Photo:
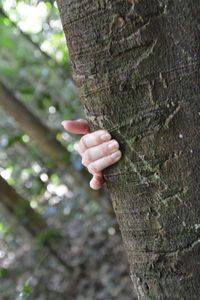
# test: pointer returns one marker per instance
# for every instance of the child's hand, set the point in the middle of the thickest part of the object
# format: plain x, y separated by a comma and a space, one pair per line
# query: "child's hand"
97, 149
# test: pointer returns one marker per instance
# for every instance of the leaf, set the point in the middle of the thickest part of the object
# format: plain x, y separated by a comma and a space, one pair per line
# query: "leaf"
27, 289
3, 273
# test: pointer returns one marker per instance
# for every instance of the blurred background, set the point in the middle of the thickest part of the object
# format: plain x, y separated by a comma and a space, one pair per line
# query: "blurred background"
58, 238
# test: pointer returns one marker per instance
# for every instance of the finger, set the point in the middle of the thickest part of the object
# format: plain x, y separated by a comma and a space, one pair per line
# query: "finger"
93, 139
104, 162
97, 181
96, 152
79, 126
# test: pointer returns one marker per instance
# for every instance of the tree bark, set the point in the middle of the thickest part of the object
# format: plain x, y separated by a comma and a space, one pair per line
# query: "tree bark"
136, 63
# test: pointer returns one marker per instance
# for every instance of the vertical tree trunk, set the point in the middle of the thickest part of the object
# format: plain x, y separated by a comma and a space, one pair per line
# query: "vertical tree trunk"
136, 64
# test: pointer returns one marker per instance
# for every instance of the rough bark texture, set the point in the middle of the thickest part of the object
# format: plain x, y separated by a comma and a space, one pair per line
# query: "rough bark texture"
136, 64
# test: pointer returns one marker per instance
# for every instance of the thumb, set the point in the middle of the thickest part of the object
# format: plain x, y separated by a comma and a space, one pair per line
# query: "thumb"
79, 126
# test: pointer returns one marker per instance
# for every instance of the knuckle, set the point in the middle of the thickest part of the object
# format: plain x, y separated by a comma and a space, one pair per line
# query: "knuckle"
96, 135
98, 132
83, 144
105, 150
110, 160
83, 140
101, 131
92, 168
83, 162
97, 139
77, 147
87, 157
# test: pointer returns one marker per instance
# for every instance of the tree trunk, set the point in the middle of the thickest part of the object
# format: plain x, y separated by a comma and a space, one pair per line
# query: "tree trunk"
136, 64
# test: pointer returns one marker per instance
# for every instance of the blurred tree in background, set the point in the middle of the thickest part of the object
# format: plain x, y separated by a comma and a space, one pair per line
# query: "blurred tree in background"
58, 238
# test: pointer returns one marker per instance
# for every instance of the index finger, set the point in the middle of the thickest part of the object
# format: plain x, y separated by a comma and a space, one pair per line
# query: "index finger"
79, 126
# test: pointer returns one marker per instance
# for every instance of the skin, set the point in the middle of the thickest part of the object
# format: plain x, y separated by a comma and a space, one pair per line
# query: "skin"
97, 149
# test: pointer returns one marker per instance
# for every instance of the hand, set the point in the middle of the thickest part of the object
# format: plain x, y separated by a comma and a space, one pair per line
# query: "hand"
97, 149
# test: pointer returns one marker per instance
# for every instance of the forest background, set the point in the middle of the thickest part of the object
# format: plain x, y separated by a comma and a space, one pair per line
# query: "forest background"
58, 238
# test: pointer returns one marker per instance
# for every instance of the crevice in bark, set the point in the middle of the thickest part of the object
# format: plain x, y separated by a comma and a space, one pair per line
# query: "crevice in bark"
181, 250
171, 75
116, 53
117, 23
141, 164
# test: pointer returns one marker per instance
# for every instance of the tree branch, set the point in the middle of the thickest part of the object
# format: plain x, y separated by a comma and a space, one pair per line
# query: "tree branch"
28, 217
64, 72
32, 125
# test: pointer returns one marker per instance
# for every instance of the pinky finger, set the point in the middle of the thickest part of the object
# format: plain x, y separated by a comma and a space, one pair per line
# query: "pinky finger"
97, 181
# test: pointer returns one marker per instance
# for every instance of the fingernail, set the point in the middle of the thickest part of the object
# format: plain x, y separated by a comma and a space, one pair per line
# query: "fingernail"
113, 145
105, 137
116, 155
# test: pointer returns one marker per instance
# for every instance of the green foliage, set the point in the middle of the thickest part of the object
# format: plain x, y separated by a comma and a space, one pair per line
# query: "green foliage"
4, 229
40, 84
26, 293
48, 236
4, 273
27, 290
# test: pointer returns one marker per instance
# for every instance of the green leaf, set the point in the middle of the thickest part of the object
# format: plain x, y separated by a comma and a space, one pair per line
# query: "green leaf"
4, 229
27, 289
3, 273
